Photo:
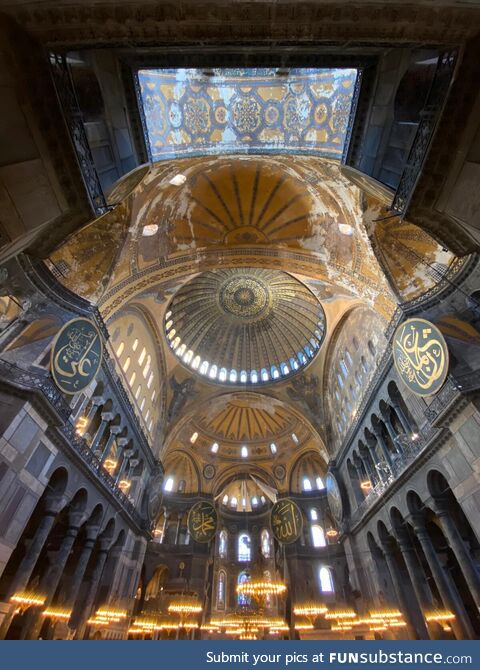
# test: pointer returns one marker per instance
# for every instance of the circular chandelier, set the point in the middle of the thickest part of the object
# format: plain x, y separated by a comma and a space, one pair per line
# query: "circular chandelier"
260, 589
185, 605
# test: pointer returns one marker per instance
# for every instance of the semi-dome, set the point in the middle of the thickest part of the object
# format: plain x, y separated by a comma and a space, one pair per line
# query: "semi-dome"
245, 325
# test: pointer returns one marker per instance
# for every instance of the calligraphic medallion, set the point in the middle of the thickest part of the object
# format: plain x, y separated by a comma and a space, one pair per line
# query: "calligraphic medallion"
421, 357
202, 521
286, 521
76, 355
334, 497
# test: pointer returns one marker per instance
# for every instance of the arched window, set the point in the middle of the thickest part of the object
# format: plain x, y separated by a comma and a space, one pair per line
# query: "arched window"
222, 375
196, 362
274, 372
141, 358
318, 536
241, 598
132, 379
306, 484
233, 376
319, 483
204, 368
348, 358
284, 368
213, 372
135, 345
146, 369
254, 377
243, 376
168, 486
364, 364
244, 548
326, 580
264, 375
181, 486
313, 514
126, 365
355, 342
343, 368
265, 543
138, 391
340, 380
120, 349
371, 348
222, 544
221, 583
244, 452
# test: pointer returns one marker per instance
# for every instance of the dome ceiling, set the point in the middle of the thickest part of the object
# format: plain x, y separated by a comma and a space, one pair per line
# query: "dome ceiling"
245, 325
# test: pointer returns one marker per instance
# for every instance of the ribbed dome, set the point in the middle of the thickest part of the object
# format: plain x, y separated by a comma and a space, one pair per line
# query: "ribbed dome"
244, 325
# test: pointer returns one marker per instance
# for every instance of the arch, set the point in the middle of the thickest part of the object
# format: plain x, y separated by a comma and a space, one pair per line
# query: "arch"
223, 543
318, 536
242, 599
244, 548
325, 577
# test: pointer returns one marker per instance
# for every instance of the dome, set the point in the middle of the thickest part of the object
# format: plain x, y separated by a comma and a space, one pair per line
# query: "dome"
245, 325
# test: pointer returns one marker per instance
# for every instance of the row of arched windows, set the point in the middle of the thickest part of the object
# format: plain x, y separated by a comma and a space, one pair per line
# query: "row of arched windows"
244, 545
325, 582
140, 380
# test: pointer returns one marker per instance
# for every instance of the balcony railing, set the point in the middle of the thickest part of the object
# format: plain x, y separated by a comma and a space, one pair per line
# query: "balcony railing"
37, 381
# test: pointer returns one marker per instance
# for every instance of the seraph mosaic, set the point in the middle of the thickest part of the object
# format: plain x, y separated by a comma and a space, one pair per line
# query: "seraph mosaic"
190, 112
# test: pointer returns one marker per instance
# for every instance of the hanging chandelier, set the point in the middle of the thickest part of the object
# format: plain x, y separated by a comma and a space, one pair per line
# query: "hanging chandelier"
57, 613
260, 589
185, 605
310, 609
28, 599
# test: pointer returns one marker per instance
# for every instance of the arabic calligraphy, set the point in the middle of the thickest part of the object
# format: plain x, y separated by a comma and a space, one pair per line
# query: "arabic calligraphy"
286, 520
76, 355
202, 521
421, 356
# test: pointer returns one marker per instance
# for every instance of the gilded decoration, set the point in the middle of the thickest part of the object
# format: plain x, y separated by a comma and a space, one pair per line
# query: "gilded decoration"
421, 356
189, 111
76, 355
286, 521
202, 521
245, 325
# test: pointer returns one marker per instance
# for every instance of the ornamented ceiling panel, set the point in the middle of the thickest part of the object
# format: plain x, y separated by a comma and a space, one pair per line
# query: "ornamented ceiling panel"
190, 112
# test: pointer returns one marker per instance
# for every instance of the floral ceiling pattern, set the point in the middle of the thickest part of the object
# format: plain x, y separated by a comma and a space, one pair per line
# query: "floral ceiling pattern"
191, 112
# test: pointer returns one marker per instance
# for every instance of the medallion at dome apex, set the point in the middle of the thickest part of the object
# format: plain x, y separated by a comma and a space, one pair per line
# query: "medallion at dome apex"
245, 325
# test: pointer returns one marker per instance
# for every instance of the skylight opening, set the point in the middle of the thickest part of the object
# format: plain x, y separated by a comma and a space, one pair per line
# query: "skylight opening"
244, 452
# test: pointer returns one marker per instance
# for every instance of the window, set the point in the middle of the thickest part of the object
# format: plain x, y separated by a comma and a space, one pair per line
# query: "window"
150, 380
318, 536
253, 377
294, 438
141, 358
168, 486
214, 448
225, 499
221, 590
193, 438
343, 368
233, 376
126, 365
319, 483
355, 342
222, 375
142, 404
188, 356
222, 544
244, 548
132, 379
120, 349
273, 448
371, 348
364, 364
254, 501
264, 375
244, 452
340, 380
146, 369
138, 391
349, 358
243, 376
265, 543
213, 372
313, 514
181, 486
147, 415
274, 372
181, 349
196, 362
326, 580
233, 502
135, 345
242, 599
284, 368
204, 368
306, 484
154, 394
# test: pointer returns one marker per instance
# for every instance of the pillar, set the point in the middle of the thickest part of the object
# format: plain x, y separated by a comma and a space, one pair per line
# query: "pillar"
114, 430
416, 574
92, 589
26, 567
416, 625
457, 544
378, 434
99, 434
49, 584
78, 575
401, 416
448, 593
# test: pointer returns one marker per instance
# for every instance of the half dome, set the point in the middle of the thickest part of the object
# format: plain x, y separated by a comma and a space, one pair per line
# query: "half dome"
245, 325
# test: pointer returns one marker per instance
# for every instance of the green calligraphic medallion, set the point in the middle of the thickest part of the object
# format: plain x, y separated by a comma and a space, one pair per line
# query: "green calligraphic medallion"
202, 521
286, 521
421, 357
76, 355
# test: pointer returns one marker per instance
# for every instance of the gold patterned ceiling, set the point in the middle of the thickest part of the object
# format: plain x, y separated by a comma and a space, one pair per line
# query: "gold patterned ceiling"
245, 325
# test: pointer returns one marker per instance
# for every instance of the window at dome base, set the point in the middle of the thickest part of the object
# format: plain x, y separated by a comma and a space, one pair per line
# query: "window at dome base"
226, 318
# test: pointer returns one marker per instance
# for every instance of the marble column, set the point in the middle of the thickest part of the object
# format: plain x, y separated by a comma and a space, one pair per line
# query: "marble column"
416, 574
415, 622
451, 600
378, 433
27, 565
127, 454
49, 583
401, 416
459, 548
90, 416
114, 431
106, 418
89, 602
391, 431
81, 566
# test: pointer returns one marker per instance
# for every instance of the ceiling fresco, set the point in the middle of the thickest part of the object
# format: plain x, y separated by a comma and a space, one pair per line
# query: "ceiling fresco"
253, 110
